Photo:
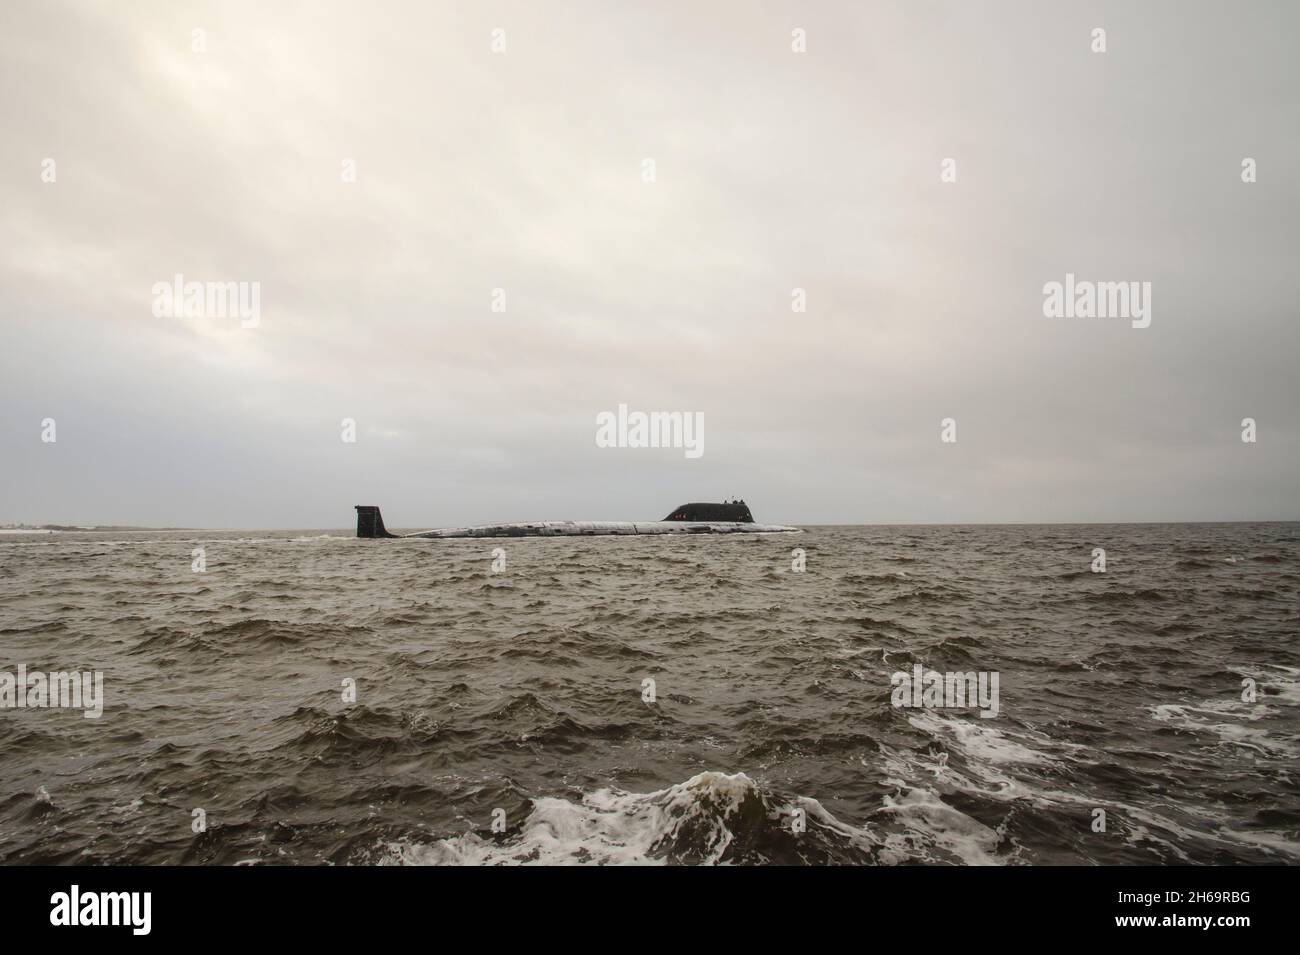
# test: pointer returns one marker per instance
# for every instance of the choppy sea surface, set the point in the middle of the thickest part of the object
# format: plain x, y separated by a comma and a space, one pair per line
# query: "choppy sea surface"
519, 698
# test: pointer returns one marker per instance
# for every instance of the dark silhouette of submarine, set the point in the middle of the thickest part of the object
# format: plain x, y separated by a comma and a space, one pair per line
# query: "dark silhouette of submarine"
731, 517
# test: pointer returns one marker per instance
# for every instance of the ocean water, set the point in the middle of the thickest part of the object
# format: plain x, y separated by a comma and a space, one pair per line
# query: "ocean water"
518, 697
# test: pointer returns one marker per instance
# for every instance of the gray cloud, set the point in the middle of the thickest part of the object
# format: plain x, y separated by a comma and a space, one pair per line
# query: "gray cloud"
522, 171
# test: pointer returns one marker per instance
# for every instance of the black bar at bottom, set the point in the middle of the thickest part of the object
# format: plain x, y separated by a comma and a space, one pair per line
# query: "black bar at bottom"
332, 905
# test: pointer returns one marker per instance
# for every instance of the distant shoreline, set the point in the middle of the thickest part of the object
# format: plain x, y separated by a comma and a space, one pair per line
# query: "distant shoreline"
83, 528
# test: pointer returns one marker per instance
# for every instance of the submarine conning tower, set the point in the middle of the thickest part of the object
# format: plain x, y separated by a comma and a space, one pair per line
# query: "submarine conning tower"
737, 511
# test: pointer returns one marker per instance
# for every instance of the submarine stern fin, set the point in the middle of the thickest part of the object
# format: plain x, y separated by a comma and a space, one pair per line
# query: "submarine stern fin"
370, 523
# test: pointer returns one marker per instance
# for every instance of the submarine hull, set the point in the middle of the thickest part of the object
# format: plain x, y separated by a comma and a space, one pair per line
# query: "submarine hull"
730, 518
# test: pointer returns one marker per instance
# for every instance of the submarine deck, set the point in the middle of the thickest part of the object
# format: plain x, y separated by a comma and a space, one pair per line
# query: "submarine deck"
604, 528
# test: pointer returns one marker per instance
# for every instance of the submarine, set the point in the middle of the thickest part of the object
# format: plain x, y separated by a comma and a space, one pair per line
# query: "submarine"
731, 517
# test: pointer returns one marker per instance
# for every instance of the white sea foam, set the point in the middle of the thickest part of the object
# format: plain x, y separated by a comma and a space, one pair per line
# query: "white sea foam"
980, 741
1278, 683
697, 821
1212, 719
1269, 842
606, 827
928, 823
989, 759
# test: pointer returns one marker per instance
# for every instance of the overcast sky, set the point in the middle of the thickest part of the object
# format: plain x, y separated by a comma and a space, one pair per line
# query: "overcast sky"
523, 170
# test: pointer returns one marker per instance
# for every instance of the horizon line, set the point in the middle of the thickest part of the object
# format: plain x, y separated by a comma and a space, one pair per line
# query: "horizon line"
71, 528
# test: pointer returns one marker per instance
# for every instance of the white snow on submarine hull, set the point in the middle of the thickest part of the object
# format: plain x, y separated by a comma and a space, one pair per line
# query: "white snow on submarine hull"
605, 528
